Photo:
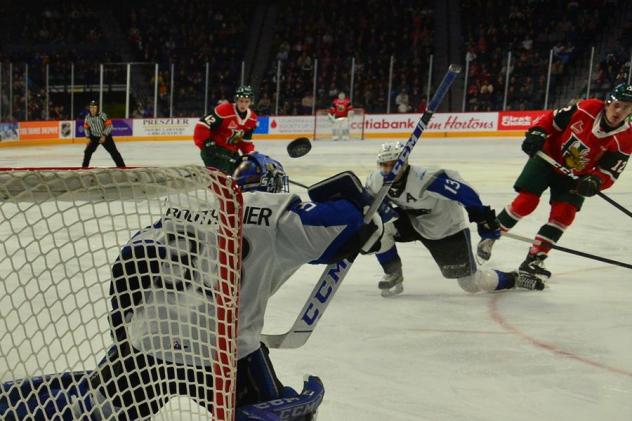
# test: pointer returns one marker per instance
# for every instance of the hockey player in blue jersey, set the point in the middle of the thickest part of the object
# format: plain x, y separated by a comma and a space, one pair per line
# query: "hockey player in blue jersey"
430, 205
152, 277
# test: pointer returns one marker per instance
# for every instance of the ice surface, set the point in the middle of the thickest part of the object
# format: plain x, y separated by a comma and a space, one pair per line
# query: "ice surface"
434, 352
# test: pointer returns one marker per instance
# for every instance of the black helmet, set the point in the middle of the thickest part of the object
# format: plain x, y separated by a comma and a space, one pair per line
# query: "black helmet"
622, 92
93, 103
244, 91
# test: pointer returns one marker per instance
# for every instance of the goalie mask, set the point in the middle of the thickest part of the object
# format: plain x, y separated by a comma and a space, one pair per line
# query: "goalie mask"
259, 172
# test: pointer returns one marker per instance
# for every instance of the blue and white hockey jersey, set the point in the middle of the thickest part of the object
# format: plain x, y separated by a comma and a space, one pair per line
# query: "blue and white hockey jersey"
435, 199
281, 233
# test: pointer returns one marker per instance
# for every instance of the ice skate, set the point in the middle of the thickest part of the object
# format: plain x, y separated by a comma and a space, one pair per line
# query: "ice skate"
391, 284
534, 265
528, 281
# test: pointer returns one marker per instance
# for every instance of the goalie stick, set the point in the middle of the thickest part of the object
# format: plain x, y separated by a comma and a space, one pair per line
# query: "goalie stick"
569, 173
334, 273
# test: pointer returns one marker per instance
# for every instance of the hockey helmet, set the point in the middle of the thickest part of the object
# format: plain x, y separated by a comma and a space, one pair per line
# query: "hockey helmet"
93, 103
622, 92
259, 172
389, 152
244, 91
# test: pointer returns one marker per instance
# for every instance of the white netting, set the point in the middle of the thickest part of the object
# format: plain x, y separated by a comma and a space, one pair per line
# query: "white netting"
324, 126
66, 260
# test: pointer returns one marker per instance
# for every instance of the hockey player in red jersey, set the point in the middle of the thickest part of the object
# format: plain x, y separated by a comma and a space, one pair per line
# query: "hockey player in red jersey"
339, 114
593, 139
227, 131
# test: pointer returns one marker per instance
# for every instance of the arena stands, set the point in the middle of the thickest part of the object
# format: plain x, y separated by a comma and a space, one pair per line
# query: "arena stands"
307, 34
529, 29
369, 31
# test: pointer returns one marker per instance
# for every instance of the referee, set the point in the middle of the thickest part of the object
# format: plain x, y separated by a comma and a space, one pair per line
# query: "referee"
98, 129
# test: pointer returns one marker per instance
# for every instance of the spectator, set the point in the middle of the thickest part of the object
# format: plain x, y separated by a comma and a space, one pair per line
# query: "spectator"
402, 101
264, 106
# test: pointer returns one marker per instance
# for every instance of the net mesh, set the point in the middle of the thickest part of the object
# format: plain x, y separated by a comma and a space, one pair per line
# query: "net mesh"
122, 282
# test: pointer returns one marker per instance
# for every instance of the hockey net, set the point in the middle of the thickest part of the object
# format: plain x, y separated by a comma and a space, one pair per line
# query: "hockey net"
324, 126
61, 231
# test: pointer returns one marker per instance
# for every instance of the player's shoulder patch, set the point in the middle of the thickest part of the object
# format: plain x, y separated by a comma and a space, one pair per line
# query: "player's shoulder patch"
225, 110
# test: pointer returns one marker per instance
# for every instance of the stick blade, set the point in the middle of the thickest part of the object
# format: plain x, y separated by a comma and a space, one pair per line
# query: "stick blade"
299, 147
290, 340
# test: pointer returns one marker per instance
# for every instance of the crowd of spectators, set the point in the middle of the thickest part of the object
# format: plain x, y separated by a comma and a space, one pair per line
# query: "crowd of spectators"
53, 35
529, 29
215, 35
614, 67
366, 31
359, 36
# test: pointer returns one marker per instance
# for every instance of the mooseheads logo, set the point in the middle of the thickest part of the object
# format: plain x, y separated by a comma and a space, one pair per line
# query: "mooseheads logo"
575, 154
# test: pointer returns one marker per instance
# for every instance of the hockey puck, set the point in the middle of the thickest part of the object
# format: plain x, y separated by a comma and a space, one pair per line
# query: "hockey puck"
299, 147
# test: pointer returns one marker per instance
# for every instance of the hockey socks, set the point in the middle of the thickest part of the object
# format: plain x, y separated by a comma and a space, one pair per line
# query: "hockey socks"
561, 216
522, 205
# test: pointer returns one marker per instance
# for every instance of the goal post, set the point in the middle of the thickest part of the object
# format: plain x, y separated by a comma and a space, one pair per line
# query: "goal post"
324, 126
63, 230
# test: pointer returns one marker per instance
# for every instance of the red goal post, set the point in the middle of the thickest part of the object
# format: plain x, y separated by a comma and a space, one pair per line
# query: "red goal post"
323, 125
63, 229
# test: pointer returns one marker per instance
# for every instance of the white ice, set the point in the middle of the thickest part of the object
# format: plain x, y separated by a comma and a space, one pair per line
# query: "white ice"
434, 352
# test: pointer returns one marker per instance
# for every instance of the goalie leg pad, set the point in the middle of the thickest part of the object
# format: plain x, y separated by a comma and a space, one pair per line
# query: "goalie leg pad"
294, 408
47, 397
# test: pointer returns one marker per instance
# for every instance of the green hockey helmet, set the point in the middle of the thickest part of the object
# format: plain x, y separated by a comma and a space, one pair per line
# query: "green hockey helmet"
622, 92
244, 91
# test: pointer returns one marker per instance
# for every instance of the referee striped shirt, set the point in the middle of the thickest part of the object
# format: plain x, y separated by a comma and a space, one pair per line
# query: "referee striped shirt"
97, 125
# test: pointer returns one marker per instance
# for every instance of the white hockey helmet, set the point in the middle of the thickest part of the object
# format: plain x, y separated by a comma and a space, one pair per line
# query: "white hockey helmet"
389, 152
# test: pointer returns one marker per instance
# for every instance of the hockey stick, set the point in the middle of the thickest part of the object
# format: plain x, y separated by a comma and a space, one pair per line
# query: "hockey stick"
296, 183
569, 173
567, 250
334, 273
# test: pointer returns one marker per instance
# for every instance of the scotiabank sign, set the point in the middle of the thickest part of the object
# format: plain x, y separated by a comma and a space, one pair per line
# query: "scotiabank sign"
442, 122
517, 120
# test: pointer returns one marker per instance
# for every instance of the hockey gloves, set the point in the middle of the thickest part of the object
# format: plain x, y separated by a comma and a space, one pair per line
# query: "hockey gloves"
534, 141
486, 221
588, 185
